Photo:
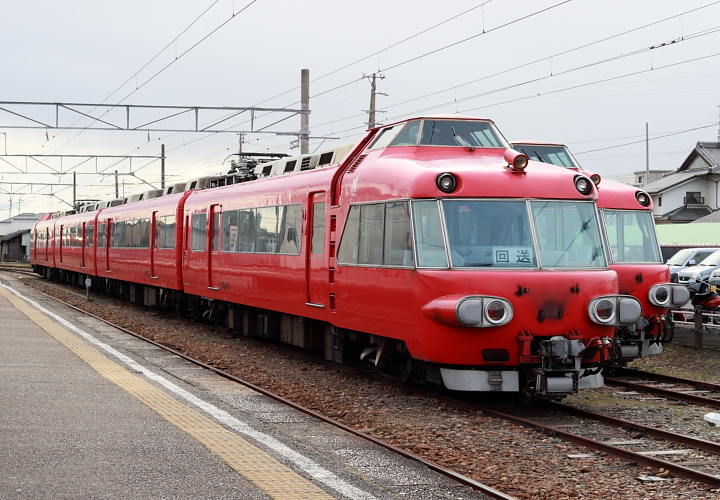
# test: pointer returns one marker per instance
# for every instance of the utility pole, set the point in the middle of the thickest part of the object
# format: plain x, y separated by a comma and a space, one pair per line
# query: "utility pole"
647, 154
162, 166
373, 93
304, 106
74, 190
117, 192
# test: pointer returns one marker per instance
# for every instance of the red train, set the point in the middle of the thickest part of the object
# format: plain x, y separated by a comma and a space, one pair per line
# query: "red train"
432, 251
634, 255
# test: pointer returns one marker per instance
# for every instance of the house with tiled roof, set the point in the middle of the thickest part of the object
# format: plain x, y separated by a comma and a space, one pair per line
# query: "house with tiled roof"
15, 237
691, 192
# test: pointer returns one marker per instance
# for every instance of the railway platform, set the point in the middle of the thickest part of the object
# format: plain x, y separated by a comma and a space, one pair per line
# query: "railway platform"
87, 411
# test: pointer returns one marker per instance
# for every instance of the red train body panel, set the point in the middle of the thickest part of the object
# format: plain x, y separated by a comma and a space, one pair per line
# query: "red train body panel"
431, 251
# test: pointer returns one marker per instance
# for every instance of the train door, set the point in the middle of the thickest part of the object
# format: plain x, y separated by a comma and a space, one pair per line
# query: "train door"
48, 241
83, 239
62, 243
108, 238
213, 279
317, 278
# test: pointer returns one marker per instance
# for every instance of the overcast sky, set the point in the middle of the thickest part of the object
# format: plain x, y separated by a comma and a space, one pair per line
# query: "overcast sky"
587, 73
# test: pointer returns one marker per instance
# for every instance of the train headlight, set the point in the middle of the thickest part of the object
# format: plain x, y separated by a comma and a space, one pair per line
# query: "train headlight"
668, 295
495, 311
480, 311
659, 295
446, 182
583, 184
517, 162
474, 311
615, 310
595, 178
604, 311
643, 198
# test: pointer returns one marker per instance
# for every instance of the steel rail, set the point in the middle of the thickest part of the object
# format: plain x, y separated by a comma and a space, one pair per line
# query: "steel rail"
627, 455
666, 392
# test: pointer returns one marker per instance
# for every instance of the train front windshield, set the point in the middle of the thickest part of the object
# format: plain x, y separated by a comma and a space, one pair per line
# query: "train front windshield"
508, 234
631, 236
556, 155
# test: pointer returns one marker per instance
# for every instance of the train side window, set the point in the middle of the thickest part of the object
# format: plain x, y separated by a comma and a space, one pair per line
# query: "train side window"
318, 229
246, 230
229, 231
430, 244
348, 251
199, 223
101, 236
166, 226
398, 235
89, 233
290, 227
372, 221
267, 224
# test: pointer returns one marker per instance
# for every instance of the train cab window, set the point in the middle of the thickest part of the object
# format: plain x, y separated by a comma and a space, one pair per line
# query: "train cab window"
101, 236
631, 236
378, 234
489, 233
568, 234
199, 223
398, 235
348, 251
556, 155
384, 137
409, 134
370, 250
429, 241
475, 133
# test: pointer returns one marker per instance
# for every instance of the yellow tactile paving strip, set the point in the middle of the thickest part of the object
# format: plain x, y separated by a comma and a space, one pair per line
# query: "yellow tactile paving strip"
269, 475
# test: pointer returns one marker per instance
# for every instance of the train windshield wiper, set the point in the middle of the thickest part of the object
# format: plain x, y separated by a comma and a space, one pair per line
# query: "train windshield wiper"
461, 140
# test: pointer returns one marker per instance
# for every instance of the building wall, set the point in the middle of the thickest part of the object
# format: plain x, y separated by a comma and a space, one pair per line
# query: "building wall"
675, 197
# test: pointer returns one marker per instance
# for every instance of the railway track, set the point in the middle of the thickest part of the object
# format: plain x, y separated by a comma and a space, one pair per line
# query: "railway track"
629, 441
673, 388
